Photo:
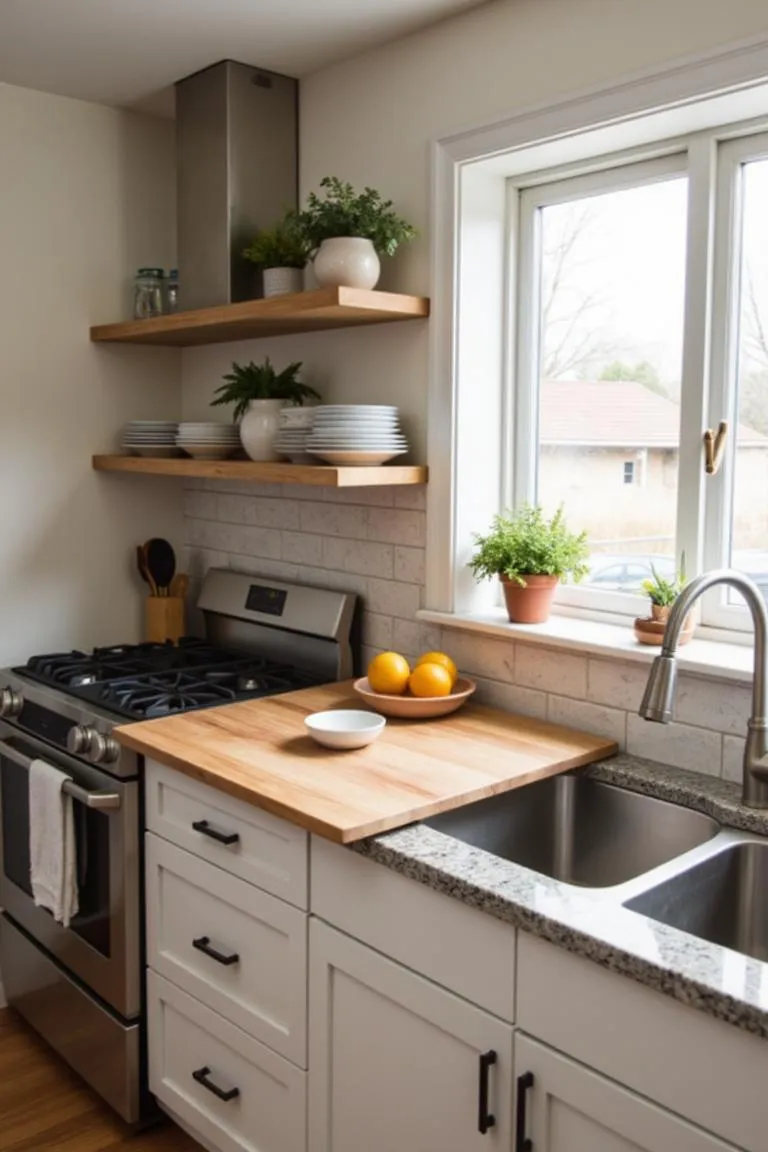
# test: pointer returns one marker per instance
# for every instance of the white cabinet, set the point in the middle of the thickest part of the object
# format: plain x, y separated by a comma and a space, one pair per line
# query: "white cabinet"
564, 1107
397, 1063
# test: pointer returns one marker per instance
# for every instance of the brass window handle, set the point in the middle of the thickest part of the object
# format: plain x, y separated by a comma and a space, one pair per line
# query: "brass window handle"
714, 447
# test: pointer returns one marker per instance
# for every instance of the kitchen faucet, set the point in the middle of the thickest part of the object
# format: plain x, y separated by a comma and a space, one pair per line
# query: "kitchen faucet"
660, 689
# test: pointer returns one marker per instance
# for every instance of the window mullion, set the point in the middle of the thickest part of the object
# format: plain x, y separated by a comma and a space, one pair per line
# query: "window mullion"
694, 392
526, 406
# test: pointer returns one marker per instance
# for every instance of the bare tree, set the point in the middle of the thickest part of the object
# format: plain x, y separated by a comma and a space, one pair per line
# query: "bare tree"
754, 323
572, 342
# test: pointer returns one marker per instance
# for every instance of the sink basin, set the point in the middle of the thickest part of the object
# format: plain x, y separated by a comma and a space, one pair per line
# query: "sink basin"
578, 830
724, 900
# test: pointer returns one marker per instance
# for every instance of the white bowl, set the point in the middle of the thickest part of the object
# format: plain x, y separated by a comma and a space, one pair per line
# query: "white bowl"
345, 728
343, 458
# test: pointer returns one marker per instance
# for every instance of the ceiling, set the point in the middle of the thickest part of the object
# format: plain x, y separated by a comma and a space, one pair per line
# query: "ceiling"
128, 52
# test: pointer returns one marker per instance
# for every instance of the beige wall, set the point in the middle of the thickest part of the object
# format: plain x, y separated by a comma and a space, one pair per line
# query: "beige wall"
86, 195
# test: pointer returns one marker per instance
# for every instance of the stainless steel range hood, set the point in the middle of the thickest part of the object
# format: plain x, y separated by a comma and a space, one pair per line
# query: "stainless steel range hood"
237, 171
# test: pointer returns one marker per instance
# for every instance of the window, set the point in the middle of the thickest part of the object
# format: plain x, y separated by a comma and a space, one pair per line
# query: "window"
599, 266
602, 330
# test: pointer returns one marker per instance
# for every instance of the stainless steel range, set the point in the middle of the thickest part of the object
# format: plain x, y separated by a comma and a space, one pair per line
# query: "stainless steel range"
82, 987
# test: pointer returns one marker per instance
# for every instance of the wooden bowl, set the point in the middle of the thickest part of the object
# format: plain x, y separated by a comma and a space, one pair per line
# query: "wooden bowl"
416, 707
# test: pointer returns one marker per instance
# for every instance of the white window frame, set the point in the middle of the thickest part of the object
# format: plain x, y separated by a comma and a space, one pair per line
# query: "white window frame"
732, 155
526, 200
471, 292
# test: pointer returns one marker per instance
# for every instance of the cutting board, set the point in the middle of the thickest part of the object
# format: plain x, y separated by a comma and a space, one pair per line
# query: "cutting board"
258, 751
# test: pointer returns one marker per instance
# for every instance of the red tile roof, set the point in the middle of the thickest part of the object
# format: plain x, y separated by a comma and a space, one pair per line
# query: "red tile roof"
620, 414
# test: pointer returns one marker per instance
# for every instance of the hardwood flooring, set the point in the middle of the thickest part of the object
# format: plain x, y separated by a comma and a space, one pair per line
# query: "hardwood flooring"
44, 1106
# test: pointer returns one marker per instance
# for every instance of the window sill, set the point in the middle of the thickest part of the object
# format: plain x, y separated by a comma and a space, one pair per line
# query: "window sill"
713, 659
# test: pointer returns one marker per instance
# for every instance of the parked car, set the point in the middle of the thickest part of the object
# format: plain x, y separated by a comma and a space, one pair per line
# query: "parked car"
616, 573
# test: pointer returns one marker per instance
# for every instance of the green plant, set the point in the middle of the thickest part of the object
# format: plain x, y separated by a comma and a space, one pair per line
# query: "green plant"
283, 246
344, 212
262, 382
663, 592
525, 543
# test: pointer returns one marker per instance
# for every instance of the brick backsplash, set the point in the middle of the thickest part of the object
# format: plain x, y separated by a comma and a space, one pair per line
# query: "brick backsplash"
372, 541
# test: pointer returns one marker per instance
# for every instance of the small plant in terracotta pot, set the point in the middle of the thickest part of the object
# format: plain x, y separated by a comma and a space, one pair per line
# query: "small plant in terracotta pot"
662, 593
530, 554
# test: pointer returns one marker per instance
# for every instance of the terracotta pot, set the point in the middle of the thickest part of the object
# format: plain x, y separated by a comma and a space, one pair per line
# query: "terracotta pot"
651, 629
531, 604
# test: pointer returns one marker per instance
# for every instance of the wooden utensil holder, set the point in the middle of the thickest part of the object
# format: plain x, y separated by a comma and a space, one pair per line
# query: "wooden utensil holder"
165, 618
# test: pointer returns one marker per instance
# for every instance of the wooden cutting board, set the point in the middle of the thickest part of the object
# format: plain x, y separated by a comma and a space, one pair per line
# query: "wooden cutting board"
258, 751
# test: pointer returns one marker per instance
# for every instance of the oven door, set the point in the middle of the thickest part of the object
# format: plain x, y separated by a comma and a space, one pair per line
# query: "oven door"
101, 947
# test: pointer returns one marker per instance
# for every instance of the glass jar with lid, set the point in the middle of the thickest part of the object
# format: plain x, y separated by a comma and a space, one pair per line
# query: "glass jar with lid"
148, 293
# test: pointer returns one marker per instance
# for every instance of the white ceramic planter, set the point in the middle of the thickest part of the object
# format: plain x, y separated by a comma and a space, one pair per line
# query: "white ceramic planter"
258, 427
347, 262
281, 281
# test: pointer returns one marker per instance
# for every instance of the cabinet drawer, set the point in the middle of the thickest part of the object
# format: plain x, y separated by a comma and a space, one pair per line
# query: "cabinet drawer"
192, 1051
263, 991
262, 849
457, 946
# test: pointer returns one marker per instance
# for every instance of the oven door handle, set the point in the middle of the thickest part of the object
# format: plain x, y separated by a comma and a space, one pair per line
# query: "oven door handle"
100, 800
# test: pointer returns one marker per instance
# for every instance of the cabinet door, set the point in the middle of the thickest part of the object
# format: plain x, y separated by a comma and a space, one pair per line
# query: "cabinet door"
566, 1107
398, 1063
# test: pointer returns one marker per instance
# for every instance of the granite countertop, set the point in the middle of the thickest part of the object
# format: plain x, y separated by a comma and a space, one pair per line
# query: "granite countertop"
723, 983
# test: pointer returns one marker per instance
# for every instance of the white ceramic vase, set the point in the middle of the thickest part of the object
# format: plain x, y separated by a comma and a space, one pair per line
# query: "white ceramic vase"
281, 281
258, 427
347, 262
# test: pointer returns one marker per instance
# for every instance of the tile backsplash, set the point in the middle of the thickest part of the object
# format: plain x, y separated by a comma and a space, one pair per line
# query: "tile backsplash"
372, 541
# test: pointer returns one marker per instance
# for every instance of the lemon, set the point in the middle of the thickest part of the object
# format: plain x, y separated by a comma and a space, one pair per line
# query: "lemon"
388, 673
430, 680
440, 658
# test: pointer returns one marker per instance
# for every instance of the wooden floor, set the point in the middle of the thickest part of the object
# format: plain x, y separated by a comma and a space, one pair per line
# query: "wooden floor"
45, 1107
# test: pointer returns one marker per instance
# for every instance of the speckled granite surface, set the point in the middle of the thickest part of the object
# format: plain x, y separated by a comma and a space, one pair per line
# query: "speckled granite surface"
720, 982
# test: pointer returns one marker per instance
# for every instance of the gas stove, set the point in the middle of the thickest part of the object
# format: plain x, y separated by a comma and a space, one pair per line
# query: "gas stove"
143, 681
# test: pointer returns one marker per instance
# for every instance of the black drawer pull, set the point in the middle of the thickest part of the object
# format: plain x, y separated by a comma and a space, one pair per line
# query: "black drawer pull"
485, 1119
222, 837
522, 1142
226, 1094
203, 944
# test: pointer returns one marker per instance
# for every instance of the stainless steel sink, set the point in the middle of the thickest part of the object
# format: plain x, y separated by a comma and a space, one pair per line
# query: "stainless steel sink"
578, 830
723, 899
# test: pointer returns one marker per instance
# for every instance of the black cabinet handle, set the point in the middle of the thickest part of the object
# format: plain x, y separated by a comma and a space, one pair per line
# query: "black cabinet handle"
202, 1075
485, 1119
203, 944
522, 1142
222, 837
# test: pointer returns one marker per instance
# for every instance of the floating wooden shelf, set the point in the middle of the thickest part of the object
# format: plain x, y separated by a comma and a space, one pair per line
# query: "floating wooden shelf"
277, 316
318, 476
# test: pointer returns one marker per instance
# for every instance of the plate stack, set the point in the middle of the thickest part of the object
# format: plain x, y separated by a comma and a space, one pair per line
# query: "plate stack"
209, 440
292, 435
151, 438
356, 434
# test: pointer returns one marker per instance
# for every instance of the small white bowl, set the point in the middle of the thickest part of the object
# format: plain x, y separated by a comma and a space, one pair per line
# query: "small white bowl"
345, 728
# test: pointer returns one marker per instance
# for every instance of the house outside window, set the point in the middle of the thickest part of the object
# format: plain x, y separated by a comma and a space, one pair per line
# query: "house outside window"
629, 471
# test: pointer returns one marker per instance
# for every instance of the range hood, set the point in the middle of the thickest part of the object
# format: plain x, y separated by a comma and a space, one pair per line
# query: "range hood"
237, 171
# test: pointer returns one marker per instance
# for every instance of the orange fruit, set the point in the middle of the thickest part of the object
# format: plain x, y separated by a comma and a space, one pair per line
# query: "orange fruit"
388, 673
440, 658
430, 680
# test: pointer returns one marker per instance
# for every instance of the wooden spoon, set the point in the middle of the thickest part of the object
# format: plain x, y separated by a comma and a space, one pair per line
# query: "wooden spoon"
180, 585
141, 564
161, 563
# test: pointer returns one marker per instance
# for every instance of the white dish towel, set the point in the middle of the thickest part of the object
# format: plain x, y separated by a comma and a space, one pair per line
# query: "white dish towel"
52, 845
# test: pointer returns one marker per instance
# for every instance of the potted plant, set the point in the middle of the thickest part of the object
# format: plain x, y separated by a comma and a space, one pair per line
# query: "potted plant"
347, 232
530, 554
258, 393
663, 592
282, 252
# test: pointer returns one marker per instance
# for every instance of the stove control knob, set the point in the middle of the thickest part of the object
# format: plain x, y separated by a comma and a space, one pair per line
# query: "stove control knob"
79, 740
103, 749
11, 703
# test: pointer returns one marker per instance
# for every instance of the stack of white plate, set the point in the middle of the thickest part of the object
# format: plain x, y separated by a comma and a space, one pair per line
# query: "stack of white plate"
209, 440
363, 434
151, 438
293, 433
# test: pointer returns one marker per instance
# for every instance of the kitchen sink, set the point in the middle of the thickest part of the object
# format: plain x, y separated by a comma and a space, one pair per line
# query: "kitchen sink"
723, 899
580, 831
